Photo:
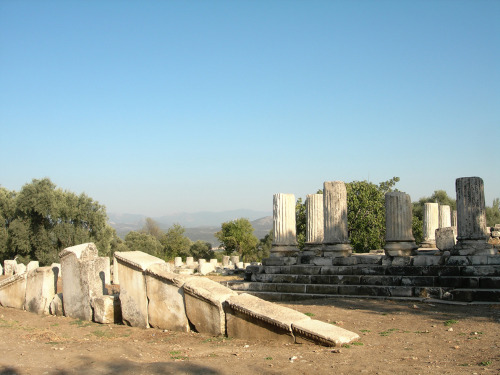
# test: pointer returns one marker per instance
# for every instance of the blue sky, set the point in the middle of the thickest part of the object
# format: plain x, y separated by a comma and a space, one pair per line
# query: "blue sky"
157, 107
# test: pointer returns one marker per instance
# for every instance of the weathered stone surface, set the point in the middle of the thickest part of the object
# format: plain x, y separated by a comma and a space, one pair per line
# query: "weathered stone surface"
336, 239
32, 265
284, 229
107, 309
430, 224
9, 266
41, 285
102, 268
322, 333
205, 268
445, 238
19, 268
315, 224
116, 277
399, 240
80, 280
225, 260
166, 309
204, 299
426, 260
133, 295
178, 262
250, 317
13, 291
444, 216
56, 305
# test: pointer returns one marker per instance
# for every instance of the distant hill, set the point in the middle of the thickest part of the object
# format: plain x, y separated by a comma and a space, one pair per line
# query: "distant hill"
199, 225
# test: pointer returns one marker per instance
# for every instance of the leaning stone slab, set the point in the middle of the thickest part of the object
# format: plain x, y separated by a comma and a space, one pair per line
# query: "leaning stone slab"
9, 266
204, 305
13, 291
133, 296
166, 309
41, 284
250, 317
80, 281
56, 306
321, 333
107, 309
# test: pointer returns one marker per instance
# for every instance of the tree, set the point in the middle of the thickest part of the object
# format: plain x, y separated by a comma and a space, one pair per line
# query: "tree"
202, 250
137, 241
237, 237
175, 243
41, 220
300, 223
151, 227
264, 246
493, 213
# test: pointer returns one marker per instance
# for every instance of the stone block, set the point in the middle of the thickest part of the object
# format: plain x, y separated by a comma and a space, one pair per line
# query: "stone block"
479, 260
107, 309
368, 270
133, 296
102, 268
458, 261
321, 261
240, 265
489, 282
291, 288
401, 291
446, 238
368, 258
214, 262
41, 285
322, 333
19, 269
494, 259
166, 309
225, 260
481, 271
116, 277
304, 270
9, 267
345, 261
426, 260
425, 292
56, 305
381, 280
322, 289
418, 280
320, 279
401, 261
336, 270
204, 309
13, 291
80, 281
205, 268
189, 261
178, 262
235, 259
32, 265
250, 317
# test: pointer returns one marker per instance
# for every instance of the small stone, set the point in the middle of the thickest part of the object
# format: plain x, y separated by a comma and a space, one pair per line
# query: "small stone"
450, 329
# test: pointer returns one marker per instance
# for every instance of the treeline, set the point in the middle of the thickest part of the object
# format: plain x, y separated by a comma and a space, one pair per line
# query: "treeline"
40, 220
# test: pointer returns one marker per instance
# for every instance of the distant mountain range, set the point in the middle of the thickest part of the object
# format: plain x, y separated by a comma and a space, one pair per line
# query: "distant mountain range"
198, 225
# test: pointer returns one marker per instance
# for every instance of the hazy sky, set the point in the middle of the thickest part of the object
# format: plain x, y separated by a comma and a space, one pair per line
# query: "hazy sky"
157, 107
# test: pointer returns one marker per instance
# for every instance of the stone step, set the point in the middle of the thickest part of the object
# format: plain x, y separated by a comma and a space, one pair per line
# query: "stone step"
469, 295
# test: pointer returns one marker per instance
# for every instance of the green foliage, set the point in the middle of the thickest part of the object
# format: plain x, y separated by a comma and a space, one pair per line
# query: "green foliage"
202, 250
439, 196
301, 223
152, 228
264, 246
175, 243
237, 237
41, 220
137, 241
493, 213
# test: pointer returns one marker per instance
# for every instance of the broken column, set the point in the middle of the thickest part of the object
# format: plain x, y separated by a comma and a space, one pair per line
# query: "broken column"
81, 280
336, 238
444, 216
471, 229
399, 240
284, 229
430, 224
41, 285
315, 224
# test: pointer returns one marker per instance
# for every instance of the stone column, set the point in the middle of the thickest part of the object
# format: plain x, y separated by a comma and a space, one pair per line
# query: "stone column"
315, 224
399, 240
284, 228
471, 228
454, 218
444, 216
431, 223
336, 239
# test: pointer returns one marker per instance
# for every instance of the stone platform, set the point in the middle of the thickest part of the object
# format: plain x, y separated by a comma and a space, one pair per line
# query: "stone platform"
429, 276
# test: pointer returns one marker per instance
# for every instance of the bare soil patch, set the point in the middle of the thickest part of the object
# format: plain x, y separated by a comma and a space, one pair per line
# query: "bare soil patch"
397, 337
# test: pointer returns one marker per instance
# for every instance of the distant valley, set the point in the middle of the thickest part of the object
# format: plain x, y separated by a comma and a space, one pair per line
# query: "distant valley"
199, 225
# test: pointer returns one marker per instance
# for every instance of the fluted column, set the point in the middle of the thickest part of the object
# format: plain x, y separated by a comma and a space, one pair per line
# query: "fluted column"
454, 218
336, 238
399, 240
444, 216
471, 218
284, 227
431, 223
315, 224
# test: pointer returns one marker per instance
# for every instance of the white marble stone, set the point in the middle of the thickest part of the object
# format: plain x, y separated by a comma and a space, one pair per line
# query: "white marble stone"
430, 224
315, 224
399, 240
336, 238
284, 228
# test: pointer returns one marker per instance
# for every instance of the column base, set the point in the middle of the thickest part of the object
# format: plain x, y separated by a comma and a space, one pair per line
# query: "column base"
400, 248
336, 250
280, 261
428, 244
279, 251
312, 249
473, 247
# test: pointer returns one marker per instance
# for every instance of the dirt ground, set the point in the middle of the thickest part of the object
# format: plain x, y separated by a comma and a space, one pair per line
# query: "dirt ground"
397, 337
